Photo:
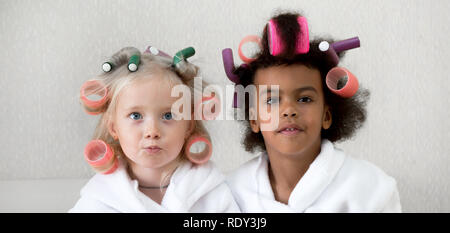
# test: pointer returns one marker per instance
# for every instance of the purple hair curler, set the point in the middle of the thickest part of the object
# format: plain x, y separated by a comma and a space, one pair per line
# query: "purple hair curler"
337, 47
228, 64
348, 44
156, 52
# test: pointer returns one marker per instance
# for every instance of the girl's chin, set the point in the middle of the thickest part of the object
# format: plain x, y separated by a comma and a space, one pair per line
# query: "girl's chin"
290, 148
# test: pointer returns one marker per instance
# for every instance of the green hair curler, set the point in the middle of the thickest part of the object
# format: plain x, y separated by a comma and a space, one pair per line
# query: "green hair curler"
133, 63
183, 55
107, 66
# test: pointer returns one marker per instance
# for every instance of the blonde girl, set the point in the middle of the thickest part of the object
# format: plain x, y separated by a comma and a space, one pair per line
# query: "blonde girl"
141, 148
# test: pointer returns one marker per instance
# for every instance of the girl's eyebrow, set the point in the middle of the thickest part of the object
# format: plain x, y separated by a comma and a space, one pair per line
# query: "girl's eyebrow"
298, 90
133, 107
138, 107
307, 88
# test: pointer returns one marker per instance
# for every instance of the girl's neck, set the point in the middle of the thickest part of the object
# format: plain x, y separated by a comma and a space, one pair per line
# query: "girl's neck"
152, 182
285, 171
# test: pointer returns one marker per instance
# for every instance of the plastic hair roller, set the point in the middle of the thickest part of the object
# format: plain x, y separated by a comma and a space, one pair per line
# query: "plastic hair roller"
183, 55
93, 88
198, 149
208, 108
156, 52
342, 82
249, 38
108, 66
100, 156
134, 61
228, 64
276, 46
337, 47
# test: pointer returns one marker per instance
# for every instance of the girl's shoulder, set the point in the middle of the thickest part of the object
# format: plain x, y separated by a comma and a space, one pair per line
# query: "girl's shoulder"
245, 174
360, 171
366, 185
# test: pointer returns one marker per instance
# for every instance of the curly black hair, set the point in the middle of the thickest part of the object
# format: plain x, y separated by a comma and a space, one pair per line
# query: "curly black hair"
348, 114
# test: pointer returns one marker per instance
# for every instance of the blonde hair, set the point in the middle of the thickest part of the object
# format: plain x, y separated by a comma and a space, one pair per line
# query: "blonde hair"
120, 76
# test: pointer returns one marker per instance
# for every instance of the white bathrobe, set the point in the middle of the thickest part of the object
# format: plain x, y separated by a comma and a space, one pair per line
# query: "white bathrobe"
191, 189
334, 182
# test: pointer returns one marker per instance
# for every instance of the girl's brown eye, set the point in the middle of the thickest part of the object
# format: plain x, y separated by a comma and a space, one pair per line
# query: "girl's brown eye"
304, 100
272, 100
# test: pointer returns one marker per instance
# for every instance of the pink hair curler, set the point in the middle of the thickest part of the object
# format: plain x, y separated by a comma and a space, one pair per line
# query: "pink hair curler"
198, 149
101, 157
249, 38
339, 74
206, 104
276, 44
93, 88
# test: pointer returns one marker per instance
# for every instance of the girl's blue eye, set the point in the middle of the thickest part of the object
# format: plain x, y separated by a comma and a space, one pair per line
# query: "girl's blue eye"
135, 116
167, 116
304, 99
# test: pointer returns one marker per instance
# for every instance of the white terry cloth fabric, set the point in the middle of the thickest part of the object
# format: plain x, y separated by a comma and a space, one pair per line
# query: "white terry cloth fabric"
192, 188
334, 182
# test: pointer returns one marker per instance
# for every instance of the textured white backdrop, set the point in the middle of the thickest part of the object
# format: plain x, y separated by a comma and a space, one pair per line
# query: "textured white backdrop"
49, 48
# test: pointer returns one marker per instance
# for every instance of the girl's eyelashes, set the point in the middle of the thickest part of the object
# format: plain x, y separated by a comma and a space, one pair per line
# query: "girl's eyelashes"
135, 116
272, 100
276, 100
305, 99
168, 116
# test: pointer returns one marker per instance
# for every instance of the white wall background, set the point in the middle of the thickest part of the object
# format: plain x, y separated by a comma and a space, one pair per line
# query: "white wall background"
49, 48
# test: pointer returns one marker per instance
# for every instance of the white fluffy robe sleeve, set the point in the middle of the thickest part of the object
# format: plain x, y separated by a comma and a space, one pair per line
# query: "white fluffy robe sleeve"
334, 182
191, 189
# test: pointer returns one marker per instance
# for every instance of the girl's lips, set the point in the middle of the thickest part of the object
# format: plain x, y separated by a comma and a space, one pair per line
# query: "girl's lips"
290, 131
152, 149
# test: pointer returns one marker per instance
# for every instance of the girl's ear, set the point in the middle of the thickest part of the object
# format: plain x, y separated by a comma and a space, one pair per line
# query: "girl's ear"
327, 118
111, 129
254, 123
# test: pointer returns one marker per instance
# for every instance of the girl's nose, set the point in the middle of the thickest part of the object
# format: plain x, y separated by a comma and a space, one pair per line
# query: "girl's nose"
152, 131
289, 114
289, 111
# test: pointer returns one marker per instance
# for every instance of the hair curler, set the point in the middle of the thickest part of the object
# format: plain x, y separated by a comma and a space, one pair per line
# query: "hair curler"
101, 157
249, 38
183, 55
134, 62
349, 86
337, 47
108, 66
198, 149
228, 65
90, 88
276, 46
156, 52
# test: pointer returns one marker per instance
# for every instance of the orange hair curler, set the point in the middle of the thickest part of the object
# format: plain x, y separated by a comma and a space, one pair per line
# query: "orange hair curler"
93, 87
101, 157
338, 74
194, 154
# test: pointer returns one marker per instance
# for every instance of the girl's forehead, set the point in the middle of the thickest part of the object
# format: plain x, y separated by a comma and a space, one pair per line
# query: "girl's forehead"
288, 77
154, 91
